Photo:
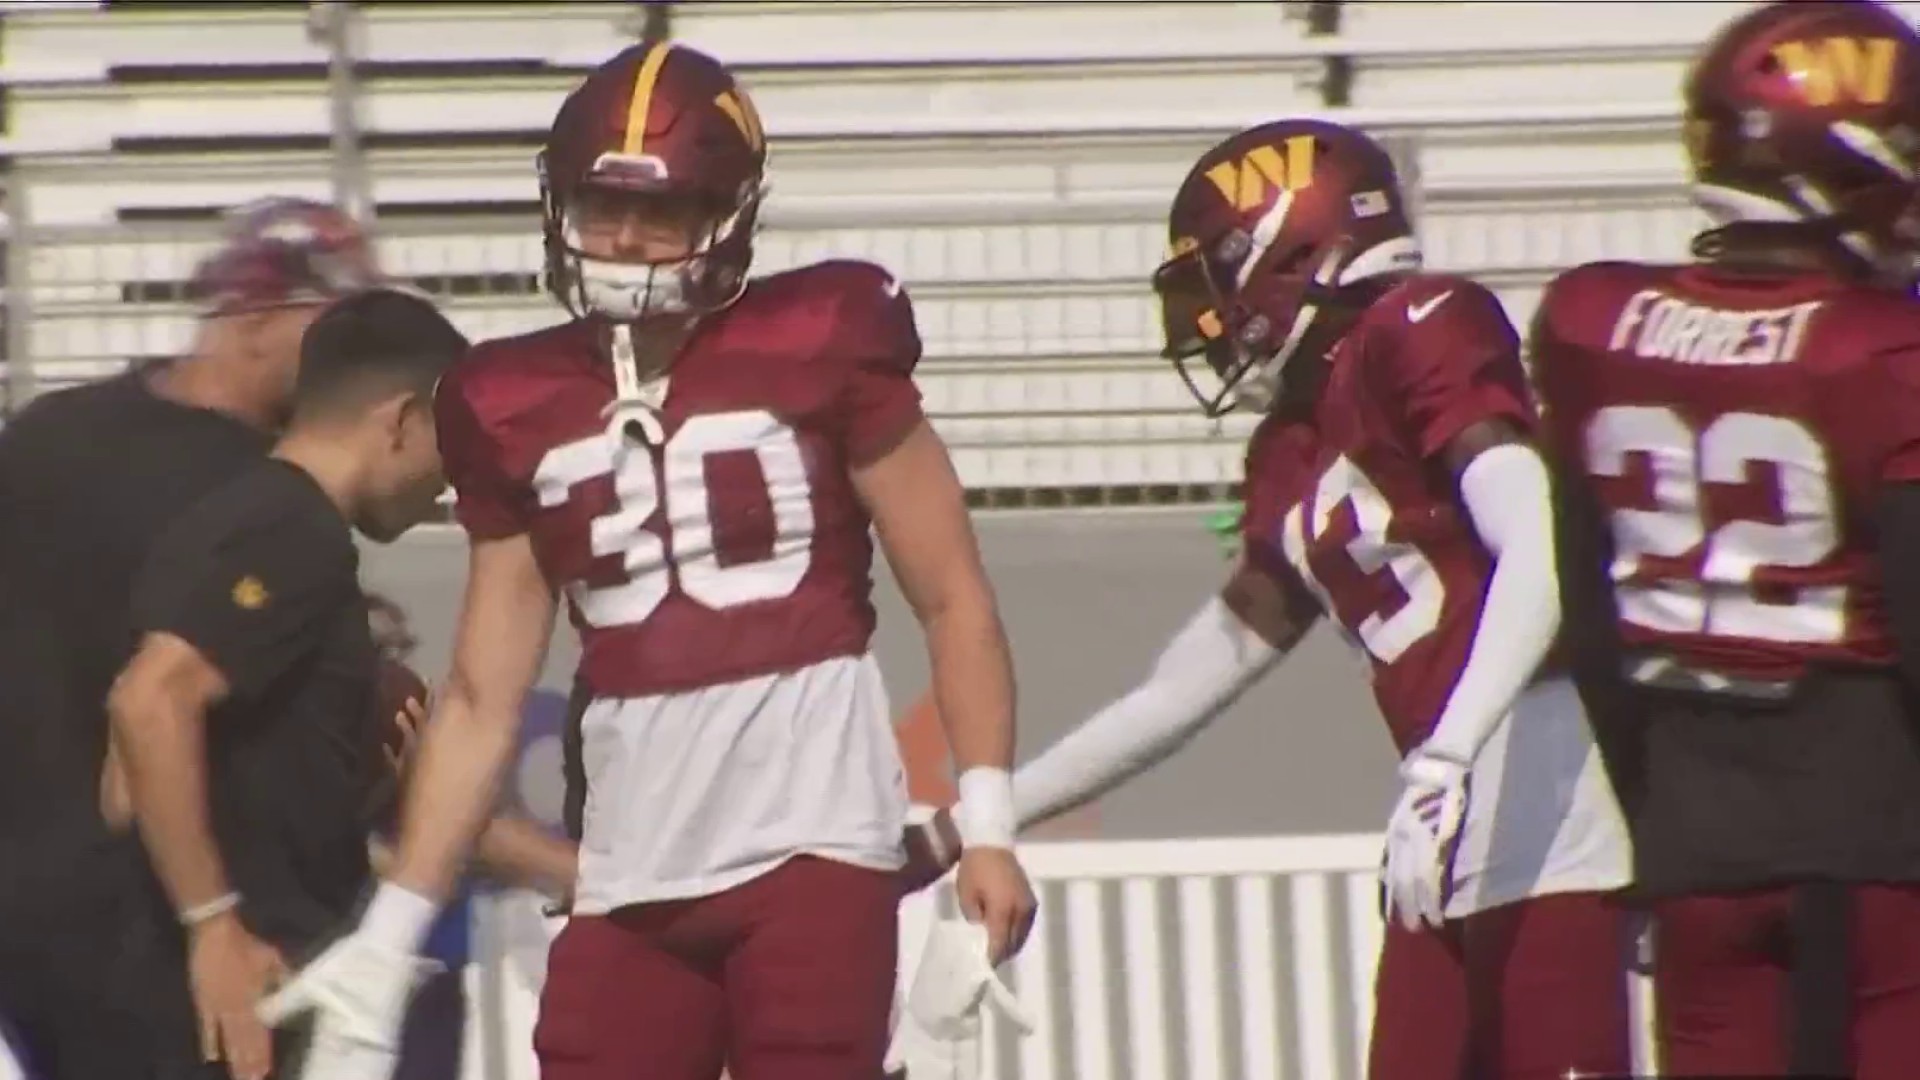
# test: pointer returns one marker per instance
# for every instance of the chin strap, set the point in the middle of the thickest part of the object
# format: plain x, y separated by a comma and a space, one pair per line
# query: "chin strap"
1261, 386
634, 412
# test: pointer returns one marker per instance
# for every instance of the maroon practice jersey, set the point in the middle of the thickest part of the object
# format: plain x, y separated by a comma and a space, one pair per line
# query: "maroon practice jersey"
1356, 503
1734, 431
736, 548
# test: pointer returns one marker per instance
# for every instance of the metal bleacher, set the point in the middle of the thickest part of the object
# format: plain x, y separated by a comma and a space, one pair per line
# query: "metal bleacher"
1010, 161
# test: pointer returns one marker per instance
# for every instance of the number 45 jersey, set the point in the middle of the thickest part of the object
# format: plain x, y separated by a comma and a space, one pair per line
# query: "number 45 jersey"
719, 579
1355, 501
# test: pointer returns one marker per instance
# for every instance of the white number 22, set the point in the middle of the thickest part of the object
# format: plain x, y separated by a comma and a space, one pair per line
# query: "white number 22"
1719, 599
1384, 636
679, 481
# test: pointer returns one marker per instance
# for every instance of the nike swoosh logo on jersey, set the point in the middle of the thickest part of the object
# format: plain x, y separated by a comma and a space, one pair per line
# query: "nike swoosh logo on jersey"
890, 287
1416, 312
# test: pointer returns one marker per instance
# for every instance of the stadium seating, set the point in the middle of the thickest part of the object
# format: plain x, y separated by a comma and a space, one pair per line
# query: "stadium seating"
1009, 161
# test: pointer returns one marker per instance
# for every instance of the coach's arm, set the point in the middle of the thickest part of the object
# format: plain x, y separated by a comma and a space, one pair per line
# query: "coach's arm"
229, 599
158, 709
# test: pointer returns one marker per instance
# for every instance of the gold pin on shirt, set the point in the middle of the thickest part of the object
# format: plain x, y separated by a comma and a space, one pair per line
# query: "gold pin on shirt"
249, 593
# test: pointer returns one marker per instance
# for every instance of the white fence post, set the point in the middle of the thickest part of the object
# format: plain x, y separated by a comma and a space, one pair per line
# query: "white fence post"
1260, 929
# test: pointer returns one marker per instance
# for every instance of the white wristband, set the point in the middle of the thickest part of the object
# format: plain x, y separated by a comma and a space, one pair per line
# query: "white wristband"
397, 918
984, 814
212, 909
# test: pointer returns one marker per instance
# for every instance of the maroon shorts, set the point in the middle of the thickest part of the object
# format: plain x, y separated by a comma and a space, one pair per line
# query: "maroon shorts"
1535, 990
1723, 978
787, 977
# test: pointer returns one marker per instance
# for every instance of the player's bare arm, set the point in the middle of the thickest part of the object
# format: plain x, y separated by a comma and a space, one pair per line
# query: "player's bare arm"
517, 851
919, 511
512, 850
506, 620
1271, 603
1477, 439
1224, 648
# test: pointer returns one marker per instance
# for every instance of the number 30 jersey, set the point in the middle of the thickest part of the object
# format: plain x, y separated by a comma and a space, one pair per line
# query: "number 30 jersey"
1734, 431
736, 547
718, 574
1356, 501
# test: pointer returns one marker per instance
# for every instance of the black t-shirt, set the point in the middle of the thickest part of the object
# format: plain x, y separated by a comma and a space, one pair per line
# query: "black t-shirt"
261, 577
88, 476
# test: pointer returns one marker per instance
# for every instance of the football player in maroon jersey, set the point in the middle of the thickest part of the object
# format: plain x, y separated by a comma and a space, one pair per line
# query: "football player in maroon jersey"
695, 461
1741, 441
1393, 485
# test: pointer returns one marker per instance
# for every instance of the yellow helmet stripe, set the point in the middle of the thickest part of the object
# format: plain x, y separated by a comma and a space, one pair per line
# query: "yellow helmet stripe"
642, 99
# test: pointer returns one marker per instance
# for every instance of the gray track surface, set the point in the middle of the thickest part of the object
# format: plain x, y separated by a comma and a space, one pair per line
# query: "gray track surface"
1088, 599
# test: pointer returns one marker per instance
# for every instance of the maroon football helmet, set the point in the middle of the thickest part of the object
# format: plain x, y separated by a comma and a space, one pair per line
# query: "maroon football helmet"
1271, 229
659, 129
1809, 114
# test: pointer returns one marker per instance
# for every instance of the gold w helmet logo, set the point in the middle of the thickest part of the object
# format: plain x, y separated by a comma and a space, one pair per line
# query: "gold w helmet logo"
1251, 181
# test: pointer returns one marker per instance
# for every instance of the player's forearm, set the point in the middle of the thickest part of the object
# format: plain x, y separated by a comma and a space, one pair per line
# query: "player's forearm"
519, 852
974, 694
1507, 496
452, 791
1207, 666
162, 745
973, 683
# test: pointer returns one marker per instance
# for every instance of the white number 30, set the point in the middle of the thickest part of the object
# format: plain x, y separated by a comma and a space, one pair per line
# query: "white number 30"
683, 552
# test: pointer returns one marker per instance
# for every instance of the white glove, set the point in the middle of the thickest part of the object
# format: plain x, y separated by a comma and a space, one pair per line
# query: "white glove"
937, 1035
1420, 839
358, 990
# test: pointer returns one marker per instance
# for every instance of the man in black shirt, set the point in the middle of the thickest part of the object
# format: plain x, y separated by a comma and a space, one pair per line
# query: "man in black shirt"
246, 719
88, 476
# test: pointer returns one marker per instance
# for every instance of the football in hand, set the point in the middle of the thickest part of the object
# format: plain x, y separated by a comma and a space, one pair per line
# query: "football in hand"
398, 685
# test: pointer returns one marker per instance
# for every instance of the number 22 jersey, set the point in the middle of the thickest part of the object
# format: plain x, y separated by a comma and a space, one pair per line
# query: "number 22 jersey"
1355, 501
719, 580
1734, 432
1725, 438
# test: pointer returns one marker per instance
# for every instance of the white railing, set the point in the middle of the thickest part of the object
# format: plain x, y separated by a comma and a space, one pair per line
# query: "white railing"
1246, 958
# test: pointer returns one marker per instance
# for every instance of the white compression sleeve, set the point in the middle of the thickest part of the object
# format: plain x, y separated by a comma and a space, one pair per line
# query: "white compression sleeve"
1507, 494
1209, 663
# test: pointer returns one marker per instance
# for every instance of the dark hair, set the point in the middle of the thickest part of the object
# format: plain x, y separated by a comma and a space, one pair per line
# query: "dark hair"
370, 346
